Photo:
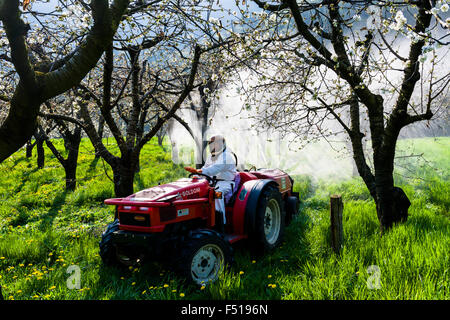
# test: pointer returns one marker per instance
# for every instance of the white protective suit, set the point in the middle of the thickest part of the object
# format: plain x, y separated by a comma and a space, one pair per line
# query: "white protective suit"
224, 168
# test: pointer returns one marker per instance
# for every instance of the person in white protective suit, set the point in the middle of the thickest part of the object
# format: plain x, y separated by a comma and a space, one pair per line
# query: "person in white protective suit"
221, 164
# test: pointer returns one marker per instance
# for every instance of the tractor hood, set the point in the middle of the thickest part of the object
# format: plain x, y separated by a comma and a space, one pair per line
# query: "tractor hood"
185, 188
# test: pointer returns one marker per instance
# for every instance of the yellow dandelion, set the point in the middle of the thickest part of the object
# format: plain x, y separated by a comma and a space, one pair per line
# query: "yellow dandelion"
50, 254
182, 295
253, 261
166, 286
52, 288
241, 272
133, 283
2, 258
21, 265
202, 288
174, 290
269, 276
35, 296
274, 286
19, 291
143, 292
121, 278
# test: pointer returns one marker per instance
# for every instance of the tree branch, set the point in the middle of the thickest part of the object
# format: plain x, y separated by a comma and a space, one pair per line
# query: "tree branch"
62, 117
197, 53
106, 22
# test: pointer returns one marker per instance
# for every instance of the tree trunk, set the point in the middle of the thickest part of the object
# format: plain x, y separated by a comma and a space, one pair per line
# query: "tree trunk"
391, 202
40, 152
71, 163
160, 139
101, 130
71, 177
123, 182
124, 175
29, 149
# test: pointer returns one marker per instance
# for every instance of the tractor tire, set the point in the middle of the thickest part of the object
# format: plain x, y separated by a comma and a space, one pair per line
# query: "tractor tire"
203, 255
114, 256
292, 206
269, 220
107, 248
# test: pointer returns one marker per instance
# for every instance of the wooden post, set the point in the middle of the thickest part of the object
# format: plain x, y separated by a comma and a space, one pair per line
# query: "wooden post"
337, 232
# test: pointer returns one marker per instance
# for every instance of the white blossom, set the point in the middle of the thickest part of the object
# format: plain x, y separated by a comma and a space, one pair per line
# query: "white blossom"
400, 21
214, 21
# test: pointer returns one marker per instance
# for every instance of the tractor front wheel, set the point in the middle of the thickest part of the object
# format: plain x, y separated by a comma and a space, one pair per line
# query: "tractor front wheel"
117, 256
204, 256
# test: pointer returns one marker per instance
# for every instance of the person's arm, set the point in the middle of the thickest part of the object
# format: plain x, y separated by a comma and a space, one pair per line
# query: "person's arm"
214, 169
192, 170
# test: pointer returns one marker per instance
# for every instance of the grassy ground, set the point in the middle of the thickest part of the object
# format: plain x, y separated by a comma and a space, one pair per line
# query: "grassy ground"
44, 231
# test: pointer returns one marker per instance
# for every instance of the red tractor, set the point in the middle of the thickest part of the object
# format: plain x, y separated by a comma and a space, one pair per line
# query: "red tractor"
176, 222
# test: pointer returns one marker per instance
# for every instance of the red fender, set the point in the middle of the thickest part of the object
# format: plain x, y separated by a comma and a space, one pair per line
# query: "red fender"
240, 206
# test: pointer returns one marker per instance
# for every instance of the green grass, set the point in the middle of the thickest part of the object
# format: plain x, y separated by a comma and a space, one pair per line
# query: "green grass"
44, 230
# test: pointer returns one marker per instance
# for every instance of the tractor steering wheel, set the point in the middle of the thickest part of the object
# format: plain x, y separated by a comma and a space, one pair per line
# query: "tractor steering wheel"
210, 180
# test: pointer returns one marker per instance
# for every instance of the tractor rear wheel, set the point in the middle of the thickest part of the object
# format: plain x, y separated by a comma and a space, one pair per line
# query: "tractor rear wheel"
269, 219
113, 255
291, 209
203, 256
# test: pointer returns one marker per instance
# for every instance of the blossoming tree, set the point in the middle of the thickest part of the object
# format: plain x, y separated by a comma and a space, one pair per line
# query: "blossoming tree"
78, 45
356, 63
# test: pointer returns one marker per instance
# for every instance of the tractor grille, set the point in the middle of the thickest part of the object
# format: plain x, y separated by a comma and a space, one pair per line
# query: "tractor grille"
134, 219
167, 213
